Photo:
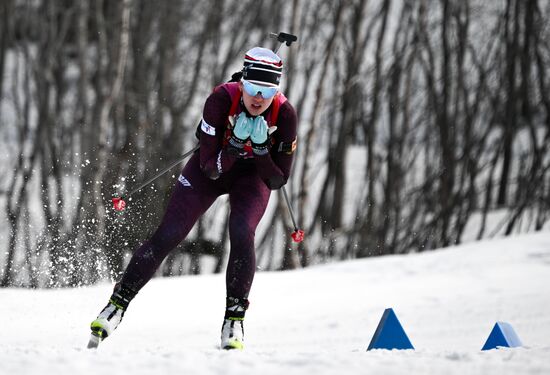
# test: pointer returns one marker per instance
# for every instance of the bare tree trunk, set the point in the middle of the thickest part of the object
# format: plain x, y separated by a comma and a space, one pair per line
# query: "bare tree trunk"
311, 133
16, 196
511, 36
6, 37
113, 93
368, 242
22, 173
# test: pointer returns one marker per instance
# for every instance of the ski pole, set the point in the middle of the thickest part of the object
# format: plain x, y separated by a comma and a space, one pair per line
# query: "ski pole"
298, 234
119, 201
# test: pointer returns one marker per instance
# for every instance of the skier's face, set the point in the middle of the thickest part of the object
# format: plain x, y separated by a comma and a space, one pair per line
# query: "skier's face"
255, 105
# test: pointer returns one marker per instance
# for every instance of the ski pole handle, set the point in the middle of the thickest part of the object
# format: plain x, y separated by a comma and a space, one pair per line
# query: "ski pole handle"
286, 38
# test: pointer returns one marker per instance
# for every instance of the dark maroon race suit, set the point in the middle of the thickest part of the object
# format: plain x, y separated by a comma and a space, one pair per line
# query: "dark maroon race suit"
213, 171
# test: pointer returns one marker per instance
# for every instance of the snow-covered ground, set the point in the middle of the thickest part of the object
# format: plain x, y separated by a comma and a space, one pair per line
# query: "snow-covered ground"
314, 321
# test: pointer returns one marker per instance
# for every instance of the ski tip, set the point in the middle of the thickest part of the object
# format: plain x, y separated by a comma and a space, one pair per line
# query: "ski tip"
94, 342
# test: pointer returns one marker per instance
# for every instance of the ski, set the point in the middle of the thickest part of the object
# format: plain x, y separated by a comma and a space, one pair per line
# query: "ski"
94, 341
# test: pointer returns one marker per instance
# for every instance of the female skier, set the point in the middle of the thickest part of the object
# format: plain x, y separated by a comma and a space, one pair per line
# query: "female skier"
247, 141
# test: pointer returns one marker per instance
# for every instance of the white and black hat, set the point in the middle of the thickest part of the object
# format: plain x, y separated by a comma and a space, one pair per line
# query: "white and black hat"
262, 66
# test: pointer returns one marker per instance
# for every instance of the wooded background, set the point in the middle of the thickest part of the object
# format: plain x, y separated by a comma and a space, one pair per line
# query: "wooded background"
415, 118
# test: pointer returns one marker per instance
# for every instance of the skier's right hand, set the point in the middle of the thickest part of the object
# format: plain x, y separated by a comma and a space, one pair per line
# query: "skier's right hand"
243, 127
239, 134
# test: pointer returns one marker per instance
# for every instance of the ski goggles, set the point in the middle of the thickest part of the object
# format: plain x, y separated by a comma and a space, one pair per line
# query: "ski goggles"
267, 92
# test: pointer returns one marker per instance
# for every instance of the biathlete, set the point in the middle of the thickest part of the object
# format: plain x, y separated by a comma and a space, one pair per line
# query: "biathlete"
247, 141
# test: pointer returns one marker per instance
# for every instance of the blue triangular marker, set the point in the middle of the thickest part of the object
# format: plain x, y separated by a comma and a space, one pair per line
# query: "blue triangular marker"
390, 334
502, 335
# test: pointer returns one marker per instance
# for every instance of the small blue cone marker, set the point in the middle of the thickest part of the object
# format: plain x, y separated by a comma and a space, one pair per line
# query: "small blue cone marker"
390, 334
502, 335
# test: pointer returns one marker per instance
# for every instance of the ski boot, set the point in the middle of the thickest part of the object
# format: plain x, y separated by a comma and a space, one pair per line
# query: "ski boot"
110, 317
233, 329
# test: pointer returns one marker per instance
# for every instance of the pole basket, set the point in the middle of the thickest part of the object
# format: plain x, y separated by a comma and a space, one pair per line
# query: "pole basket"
297, 235
119, 204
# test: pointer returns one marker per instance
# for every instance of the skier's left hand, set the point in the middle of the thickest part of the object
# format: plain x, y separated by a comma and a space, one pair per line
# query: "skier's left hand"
259, 131
259, 136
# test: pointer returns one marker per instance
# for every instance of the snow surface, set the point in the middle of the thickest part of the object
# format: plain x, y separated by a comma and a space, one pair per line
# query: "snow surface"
318, 320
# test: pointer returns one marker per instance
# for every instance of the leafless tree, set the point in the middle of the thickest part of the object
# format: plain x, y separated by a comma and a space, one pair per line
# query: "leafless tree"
445, 102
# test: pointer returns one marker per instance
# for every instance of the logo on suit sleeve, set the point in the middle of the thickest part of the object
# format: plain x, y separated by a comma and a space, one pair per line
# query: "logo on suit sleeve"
208, 129
185, 182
